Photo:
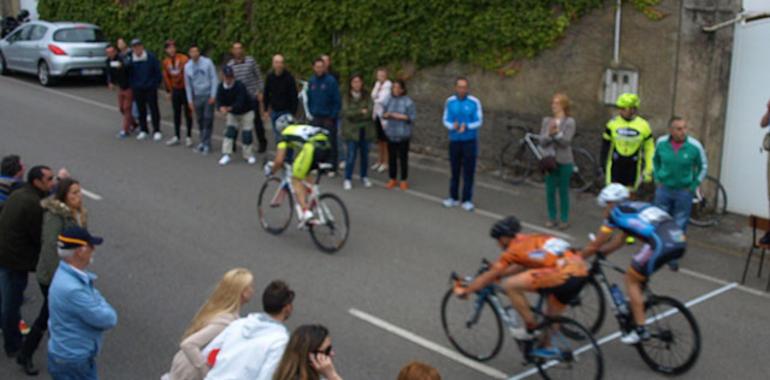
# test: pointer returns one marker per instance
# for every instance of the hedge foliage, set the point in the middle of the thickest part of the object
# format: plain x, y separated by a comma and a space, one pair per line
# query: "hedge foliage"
360, 34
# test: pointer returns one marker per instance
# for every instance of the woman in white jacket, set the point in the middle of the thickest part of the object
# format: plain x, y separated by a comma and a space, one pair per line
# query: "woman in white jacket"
223, 306
380, 96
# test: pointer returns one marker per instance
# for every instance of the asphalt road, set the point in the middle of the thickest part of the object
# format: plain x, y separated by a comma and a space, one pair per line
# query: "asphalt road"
174, 222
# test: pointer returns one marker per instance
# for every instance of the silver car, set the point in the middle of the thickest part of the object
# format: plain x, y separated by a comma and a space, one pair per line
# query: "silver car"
54, 50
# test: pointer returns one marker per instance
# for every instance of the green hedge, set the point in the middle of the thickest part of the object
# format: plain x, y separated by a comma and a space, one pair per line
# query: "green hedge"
360, 34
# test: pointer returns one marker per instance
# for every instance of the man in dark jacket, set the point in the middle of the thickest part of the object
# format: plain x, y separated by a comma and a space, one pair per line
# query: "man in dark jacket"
324, 103
234, 101
20, 225
11, 174
117, 79
280, 93
145, 76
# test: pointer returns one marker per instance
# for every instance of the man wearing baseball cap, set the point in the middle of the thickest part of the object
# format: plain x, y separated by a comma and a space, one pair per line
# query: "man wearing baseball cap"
234, 101
78, 312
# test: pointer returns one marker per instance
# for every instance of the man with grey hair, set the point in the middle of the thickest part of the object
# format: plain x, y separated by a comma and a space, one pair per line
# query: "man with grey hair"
78, 312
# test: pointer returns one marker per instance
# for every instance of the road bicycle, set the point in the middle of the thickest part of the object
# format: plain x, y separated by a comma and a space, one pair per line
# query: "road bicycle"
330, 226
519, 161
475, 327
709, 203
675, 342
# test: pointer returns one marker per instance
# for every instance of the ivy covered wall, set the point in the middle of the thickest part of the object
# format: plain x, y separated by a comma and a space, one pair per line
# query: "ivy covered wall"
360, 34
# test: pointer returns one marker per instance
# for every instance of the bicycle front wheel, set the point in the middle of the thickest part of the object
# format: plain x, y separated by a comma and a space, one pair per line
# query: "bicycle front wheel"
562, 356
674, 345
275, 206
333, 227
585, 171
709, 203
472, 325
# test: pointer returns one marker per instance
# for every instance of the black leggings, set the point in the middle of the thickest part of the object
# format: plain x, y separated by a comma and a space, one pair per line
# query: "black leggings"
179, 104
32, 341
398, 151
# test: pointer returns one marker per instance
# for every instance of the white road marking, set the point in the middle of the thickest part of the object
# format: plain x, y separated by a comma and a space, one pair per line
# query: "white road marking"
91, 195
663, 315
420, 341
715, 280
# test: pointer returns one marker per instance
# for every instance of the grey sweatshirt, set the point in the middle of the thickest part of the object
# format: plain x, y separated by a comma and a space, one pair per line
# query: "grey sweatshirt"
398, 130
200, 79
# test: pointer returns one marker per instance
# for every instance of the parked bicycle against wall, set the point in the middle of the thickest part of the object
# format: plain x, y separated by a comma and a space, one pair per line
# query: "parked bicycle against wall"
519, 159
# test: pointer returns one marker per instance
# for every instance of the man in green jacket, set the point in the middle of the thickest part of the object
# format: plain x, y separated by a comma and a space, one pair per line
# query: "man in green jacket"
680, 165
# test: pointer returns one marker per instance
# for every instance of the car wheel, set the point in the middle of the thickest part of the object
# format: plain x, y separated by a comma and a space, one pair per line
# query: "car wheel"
44, 74
3, 65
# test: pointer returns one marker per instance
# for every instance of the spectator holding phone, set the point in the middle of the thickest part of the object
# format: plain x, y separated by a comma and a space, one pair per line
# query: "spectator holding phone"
308, 356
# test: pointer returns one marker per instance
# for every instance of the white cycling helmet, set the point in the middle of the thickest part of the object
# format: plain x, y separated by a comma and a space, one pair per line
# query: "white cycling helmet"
283, 121
613, 192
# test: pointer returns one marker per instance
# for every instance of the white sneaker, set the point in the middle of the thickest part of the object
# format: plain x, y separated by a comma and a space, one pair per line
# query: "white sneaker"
331, 174
252, 160
157, 136
367, 183
306, 216
634, 337
449, 203
188, 142
224, 160
468, 206
141, 136
342, 165
382, 168
375, 166
521, 333
172, 141
347, 185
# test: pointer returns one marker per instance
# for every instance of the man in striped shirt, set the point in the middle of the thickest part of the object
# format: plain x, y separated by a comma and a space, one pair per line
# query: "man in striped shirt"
247, 72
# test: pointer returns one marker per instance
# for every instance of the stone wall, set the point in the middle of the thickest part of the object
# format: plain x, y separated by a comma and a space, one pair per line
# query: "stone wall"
682, 70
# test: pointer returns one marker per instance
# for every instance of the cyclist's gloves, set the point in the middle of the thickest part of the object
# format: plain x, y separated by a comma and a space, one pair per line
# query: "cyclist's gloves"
268, 169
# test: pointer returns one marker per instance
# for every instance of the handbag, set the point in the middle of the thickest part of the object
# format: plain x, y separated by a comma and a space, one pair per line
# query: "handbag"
766, 142
547, 164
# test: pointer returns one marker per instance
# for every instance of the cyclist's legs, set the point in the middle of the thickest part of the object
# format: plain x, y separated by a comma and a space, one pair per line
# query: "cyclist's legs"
531, 281
643, 265
302, 164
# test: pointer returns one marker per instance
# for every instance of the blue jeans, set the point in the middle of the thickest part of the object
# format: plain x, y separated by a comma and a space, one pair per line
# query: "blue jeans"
274, 115
462, 157
676, 202
84, 369
353, 146
205, 114
12, 285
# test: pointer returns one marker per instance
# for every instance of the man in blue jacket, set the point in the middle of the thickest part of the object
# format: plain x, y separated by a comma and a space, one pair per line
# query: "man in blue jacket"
79, 314
324, 103
463, 117
145, 76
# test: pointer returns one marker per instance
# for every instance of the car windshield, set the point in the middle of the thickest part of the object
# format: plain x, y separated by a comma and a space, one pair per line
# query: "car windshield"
79, 34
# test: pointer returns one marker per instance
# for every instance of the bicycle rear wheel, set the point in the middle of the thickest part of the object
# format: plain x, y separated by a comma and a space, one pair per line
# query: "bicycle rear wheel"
572, 357
585, 171
275, 206
587, 308
709, 204
333, 227
513, 164
675, 343
472, 325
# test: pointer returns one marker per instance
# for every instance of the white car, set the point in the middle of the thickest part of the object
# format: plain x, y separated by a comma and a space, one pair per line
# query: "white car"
52, 50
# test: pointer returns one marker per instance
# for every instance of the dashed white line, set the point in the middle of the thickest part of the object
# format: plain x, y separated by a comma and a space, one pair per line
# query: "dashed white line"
91, 195
420, 341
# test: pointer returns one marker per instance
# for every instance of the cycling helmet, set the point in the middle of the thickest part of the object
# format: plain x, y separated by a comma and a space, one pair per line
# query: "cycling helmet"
627, 100
613, 192
509, 226
283, 121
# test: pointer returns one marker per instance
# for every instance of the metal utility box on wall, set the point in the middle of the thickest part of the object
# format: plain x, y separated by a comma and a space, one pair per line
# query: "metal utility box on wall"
619, 81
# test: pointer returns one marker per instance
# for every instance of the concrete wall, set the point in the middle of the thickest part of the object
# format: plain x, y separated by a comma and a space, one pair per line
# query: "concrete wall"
681, 70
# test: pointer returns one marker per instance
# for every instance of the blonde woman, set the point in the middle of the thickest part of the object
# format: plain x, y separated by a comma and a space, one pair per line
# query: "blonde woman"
223, 306
556, 140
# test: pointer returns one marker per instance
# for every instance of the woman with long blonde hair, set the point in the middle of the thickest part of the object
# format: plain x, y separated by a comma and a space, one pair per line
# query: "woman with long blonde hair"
223, 306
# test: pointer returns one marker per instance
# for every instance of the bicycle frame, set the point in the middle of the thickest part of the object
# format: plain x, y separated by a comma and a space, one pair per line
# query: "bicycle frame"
323, 215
624, 320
